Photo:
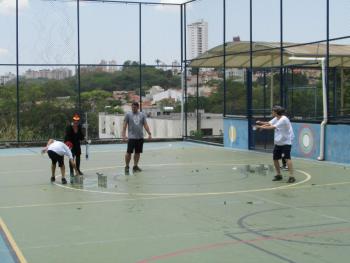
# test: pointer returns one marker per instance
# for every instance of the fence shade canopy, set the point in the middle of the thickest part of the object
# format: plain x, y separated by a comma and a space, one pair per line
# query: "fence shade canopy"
267, 54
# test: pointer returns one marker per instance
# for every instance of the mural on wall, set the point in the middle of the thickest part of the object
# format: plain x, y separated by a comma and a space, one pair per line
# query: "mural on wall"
236, 133
337, 144
306, 140
306, 143
232, 133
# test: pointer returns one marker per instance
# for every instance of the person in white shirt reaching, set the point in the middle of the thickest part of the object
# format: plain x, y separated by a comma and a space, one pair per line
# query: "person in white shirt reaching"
56, 150
283, 137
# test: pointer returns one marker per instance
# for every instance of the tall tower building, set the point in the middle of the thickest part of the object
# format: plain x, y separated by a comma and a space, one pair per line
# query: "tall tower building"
197, 35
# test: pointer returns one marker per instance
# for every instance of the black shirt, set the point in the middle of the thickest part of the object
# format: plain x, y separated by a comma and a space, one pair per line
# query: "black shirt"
75, 138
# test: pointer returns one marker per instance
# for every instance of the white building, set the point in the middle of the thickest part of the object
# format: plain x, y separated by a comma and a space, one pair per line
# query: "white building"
112, 66
152, 91
236, 73
6, 78
103, 65
175, 67
197, 35
155, 89
167, 94
203, 91
58, 74
164, 127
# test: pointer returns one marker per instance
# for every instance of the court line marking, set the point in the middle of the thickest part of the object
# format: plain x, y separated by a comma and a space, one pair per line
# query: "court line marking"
213, 163
136, 199
122, 166
299, 208
84, 202
291, 187
308, 177
19, 256
33, 153
218, 245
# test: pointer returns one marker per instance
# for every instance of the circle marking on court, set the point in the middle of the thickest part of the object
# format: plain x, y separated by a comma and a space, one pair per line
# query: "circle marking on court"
188, 194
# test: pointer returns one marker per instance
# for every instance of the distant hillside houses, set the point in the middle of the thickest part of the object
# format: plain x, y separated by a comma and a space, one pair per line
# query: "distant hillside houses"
57, 74
176, 95
6, 78
157, 93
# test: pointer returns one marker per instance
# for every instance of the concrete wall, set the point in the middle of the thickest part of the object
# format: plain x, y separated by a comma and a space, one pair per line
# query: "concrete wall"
307, 142
338, 143
110, 126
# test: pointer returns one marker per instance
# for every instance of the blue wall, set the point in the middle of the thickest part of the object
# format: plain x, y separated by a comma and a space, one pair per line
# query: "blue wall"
338, 143
306, 143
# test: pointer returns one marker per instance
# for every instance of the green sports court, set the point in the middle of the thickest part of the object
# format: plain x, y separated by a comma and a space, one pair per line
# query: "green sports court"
210, 81
191, 203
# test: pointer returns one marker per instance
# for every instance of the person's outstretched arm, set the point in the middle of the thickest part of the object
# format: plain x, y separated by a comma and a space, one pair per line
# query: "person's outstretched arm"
266, 127
148, 130
47, 145
261, 123
125, 124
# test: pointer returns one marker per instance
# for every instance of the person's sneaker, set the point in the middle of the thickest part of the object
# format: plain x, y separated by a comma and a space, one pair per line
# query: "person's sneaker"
136, 169
277, 178
64, 181
80, 172
126, 169
291, 180
53, 179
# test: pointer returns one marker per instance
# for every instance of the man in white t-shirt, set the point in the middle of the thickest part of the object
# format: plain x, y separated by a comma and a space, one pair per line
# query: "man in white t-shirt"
56, 150
283, 138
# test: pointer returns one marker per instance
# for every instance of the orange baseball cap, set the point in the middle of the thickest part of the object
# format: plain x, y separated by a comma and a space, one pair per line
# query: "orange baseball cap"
76, 117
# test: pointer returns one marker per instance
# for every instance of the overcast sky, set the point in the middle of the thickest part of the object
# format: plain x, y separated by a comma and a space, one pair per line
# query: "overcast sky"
48, 29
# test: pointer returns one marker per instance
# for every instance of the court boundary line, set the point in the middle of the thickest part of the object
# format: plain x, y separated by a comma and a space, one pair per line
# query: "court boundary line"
301, 158
299, 208
12, 243
308, 177
144, 198
218, 245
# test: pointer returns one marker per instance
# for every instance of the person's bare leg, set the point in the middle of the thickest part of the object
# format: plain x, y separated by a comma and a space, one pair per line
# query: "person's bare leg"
136, 159
277, 167
290, 167
127, 159
63, 171
53, 170
278, 175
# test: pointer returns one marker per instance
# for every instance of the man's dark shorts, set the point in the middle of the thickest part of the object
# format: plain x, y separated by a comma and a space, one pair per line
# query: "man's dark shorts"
135, 144
281, 149
56, 158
